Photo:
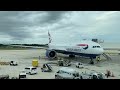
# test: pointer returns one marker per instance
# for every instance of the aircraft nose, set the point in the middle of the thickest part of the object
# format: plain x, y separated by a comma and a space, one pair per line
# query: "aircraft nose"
101, 51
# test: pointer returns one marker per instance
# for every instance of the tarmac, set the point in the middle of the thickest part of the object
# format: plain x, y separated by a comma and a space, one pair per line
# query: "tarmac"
25, 57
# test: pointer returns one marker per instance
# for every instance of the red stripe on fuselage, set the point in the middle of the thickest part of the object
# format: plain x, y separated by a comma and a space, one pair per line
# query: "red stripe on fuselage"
82, 44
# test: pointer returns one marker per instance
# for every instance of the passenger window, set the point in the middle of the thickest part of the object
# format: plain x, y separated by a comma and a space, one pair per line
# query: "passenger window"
33, 68
98, 46
27, 68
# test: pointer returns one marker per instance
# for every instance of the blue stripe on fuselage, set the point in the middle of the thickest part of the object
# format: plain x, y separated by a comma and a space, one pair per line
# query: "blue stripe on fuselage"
75, 53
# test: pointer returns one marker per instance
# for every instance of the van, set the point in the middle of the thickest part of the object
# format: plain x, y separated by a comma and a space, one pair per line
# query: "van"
22, 74
67, 73
79, 65
31, 70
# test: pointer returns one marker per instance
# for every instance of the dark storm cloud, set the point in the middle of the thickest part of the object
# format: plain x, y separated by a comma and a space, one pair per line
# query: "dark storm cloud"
19, 34
12, 23
54, 16
11, 27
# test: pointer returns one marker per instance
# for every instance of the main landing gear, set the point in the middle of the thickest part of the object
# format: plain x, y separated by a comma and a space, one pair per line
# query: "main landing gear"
91, 61
72, 56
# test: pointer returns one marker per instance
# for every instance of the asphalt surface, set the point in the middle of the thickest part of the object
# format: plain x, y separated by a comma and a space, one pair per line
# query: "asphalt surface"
25, 57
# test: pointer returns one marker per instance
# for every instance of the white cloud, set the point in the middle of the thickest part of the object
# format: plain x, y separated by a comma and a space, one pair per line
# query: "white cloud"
106, 15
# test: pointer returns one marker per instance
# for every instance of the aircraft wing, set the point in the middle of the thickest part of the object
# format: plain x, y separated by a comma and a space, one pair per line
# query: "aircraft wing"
32, 47
64, 51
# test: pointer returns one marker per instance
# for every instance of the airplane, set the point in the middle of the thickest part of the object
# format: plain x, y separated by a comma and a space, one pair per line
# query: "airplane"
85, 48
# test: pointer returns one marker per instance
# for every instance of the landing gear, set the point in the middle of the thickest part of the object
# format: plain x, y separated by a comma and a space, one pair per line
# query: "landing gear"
71, 56
91, 61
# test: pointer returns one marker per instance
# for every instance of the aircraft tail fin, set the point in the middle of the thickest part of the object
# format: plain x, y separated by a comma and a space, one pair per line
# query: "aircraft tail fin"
49, 37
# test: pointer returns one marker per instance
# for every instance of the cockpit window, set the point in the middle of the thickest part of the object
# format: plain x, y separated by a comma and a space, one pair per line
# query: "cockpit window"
96, 46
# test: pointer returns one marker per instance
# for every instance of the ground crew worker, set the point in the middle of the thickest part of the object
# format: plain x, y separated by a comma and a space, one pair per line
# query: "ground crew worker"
108, 73
98, 59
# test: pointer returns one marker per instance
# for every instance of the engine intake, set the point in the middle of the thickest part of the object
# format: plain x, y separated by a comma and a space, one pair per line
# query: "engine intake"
51, 54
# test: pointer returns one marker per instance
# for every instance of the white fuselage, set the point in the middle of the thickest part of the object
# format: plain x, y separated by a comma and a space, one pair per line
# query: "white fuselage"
85, 47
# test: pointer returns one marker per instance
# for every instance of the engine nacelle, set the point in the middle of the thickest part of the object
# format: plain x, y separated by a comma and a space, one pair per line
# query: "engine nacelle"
51, 54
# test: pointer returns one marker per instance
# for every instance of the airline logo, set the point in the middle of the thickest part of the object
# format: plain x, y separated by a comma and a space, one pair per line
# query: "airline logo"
84, 46
73, 49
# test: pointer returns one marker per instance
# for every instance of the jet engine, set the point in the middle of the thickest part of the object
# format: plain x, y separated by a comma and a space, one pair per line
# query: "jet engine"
51, 54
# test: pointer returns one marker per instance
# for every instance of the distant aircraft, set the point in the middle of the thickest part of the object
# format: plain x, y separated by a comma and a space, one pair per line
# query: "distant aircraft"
84, 48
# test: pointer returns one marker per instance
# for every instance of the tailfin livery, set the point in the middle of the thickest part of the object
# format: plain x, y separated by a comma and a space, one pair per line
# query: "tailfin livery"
49, 37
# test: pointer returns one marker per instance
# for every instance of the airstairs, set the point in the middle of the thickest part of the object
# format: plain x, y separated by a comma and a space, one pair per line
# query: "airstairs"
106, 56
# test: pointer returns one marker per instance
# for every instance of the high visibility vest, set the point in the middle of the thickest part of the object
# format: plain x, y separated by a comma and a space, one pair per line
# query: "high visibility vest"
98, 58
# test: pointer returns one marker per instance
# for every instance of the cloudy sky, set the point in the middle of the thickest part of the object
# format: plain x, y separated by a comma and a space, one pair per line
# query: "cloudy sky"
64, 26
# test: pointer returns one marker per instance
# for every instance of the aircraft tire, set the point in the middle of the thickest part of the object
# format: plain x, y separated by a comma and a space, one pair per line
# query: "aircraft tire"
91, 62
71, 56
